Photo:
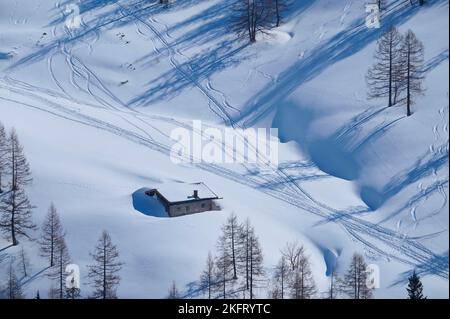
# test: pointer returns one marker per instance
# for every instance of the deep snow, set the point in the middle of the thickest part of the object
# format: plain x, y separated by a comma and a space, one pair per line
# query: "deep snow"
94, 108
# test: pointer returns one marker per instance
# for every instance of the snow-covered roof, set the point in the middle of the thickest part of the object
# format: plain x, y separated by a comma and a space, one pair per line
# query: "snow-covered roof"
181, 192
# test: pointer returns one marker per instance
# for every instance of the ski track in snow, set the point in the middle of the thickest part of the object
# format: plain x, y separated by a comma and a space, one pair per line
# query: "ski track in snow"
225, 116
367, 233
411, 252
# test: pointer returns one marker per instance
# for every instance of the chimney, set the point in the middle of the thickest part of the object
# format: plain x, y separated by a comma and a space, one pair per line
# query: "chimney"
195, 193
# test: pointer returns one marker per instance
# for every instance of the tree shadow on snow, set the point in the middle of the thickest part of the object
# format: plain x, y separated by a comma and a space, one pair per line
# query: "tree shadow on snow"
342, 45
436, 265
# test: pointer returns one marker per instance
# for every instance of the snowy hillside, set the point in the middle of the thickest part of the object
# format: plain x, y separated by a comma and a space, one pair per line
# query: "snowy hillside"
94, 108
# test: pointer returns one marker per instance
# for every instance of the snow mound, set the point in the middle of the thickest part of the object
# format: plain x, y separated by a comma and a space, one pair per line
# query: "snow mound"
276, 36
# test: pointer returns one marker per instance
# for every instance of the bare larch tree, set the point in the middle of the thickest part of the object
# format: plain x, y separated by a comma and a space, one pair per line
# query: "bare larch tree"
291, 254
412, 53
302, 284
280, 279
103, 273
224, 271
383, 76
13, 287
355, 280
256, 263
207, 281
279, 7
231, 240
4, 149
58, 272
24, 262
334, 288
52, 233
253, 16
244, 256
15, 208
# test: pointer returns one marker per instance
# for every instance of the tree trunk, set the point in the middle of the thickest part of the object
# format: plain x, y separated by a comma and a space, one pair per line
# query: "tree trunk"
251, 269
104, 270
390, 70
277, 8
408, 83
61, 274
13, 221
52, 245
233, 252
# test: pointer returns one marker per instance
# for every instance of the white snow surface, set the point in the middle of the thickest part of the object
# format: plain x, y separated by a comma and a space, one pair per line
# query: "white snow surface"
94, 108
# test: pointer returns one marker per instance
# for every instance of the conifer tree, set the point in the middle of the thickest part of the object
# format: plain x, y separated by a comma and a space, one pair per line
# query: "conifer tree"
4, 149
207, 281
13, 287
15, 208
103, 273
415, 287
58, 272
412, 53
52, 233
384, 77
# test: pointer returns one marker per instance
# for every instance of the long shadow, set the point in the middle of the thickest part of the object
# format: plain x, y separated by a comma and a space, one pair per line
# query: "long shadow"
34, 276
423, 269
274, 184
423, 194
342, 45
200, 67
112, 18
423, 167
206, 28
435, 61
5, 248
209, 28
3, 257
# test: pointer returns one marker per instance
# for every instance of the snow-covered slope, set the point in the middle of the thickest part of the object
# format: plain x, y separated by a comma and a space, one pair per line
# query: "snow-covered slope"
94, 108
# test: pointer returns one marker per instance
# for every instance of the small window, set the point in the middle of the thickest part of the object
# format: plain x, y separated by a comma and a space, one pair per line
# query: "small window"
187, 208
203, 205
178, 208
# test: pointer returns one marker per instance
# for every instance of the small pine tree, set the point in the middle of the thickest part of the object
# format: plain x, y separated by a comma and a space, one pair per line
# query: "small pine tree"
415, 287
173, 291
